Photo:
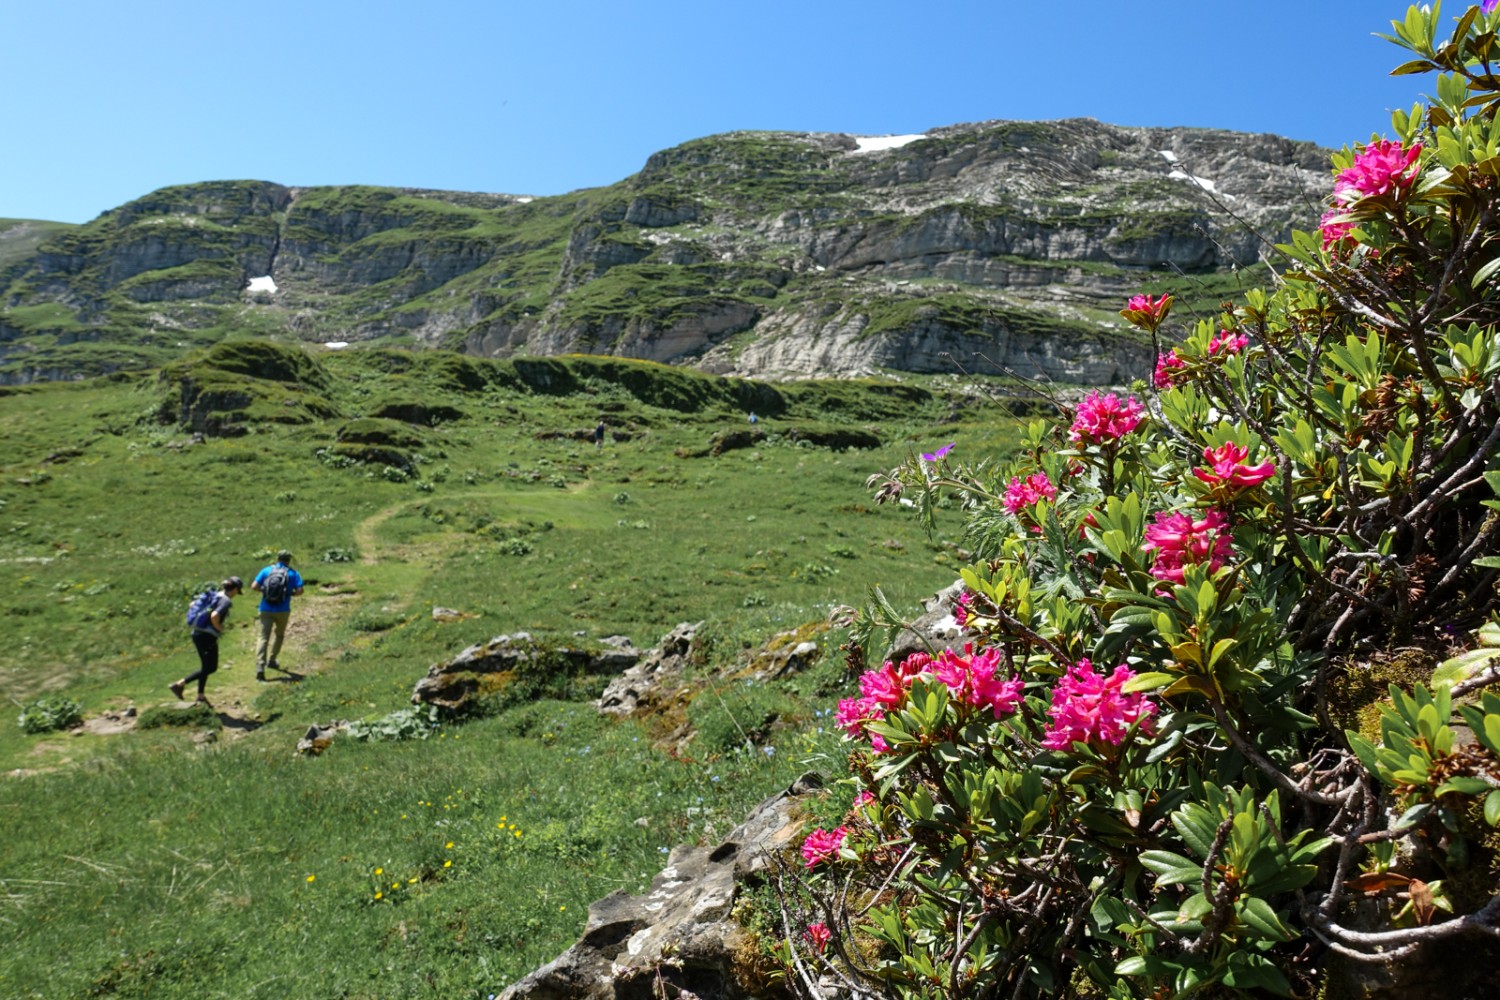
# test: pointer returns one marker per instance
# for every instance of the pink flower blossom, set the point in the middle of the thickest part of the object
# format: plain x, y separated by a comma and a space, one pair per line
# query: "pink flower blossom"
1337, 236
1166, 364
961, 610
1179, 540
1090, 707
818, 935
1488, 6
1103, 419
1227, 469
1146, 312
1382, 167
854, 714
864, 798
1028, 492
884, 686
1229, 343
975, 679
823, 845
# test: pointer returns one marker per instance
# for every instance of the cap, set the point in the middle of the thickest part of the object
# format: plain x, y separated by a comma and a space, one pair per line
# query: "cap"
234, 582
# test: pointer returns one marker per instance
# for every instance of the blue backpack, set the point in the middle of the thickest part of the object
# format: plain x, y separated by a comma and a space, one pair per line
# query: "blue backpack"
199, 610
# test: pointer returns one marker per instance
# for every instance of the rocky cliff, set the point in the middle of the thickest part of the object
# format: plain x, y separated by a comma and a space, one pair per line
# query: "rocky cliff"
995, 247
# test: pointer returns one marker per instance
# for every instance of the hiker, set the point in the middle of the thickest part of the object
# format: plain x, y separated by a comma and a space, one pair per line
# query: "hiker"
277, 584
207, 627
599, 433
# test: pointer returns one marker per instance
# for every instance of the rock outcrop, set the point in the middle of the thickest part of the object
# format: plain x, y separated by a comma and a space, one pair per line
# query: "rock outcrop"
458, 685
682, 934
991, 247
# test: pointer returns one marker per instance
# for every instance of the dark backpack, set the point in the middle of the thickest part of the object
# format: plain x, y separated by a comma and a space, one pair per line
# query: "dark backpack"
276, 585
200, 609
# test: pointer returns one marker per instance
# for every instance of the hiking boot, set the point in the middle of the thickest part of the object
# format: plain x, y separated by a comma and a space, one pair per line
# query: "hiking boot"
275, 666
176, 688
260, 675
202, 701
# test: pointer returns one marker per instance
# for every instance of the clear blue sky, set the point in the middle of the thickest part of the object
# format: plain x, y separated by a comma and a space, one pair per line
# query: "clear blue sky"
107, 100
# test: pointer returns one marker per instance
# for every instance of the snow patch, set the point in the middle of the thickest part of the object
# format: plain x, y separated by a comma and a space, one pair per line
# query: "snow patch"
336, 345
525, 200
876, 143
1168, 155
262, 284
1202, 182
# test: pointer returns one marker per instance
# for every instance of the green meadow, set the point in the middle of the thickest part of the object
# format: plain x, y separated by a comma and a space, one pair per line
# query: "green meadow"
198, 855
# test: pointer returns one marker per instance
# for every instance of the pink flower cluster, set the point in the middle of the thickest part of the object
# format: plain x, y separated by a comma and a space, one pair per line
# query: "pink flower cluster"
1166, 365
1028, 492
1146, 312
1104, 418
1227, 469
1383, 167
822, 846
1229, 343
1090, 707
961, 610
1335, 233
1179, 540
818, 935
972, 679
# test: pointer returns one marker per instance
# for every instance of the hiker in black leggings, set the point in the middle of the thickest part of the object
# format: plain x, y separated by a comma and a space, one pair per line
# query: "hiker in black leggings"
206, 638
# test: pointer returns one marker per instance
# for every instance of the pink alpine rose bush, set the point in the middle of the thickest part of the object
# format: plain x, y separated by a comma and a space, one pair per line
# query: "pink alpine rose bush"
1228, 469
1168, 370
1090, 707
1104, 418
1227, 342
1179, 540
975, 679
822, 846
1381, 168
1024, 493
1205, 817
1147, 312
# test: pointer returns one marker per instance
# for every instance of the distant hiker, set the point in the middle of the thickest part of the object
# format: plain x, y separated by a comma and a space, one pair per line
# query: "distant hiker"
207, 617
599, 433
753, 418
278, 583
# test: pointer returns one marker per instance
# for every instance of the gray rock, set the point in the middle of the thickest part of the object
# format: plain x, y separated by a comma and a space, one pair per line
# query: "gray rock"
455, 685
683, 930
642, 682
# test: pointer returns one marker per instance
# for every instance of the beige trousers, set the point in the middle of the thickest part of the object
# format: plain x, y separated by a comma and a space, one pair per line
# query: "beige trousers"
272, 632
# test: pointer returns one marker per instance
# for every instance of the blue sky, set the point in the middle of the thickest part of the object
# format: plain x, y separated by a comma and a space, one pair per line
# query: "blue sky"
107, 100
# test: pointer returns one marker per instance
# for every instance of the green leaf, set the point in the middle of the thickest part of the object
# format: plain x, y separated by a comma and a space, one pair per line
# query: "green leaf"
1464, 786
1171, 869
1492, 808
1149, 681
1257, 914
1485, 273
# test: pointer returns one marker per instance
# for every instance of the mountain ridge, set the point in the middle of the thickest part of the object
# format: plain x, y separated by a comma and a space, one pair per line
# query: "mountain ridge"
996, 247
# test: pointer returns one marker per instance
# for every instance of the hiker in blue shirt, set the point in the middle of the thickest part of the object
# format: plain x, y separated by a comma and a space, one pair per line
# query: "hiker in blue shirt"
277, 584
206, 631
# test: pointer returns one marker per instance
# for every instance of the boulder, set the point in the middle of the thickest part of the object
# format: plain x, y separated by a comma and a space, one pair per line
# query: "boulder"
641, 684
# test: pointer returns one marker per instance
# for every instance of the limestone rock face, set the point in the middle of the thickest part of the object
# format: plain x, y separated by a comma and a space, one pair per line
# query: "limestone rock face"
994, 247
682, 932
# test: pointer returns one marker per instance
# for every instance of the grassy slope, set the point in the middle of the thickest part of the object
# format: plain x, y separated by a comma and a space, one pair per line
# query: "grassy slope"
20, 237
240, 870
